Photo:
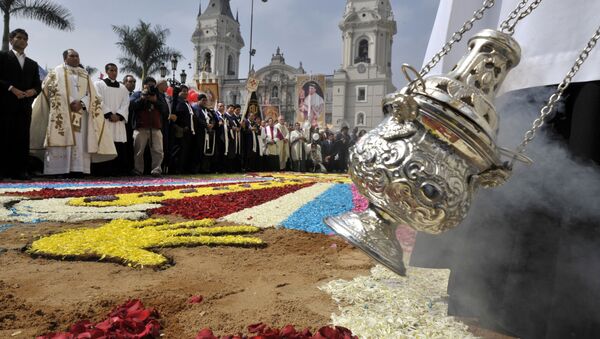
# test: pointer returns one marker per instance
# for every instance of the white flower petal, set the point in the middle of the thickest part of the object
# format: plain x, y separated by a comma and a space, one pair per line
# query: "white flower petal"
385, 305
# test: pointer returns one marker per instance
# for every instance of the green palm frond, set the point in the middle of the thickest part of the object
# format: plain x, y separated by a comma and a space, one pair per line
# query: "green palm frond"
131, 66
46, 11
53, 15
144, 48
91, 70
5, 5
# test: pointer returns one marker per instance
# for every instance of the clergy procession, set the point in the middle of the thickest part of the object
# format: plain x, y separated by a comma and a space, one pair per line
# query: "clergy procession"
446, 186
83, 127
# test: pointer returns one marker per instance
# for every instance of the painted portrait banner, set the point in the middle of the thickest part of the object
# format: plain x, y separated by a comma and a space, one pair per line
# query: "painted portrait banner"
310, 100
211, 89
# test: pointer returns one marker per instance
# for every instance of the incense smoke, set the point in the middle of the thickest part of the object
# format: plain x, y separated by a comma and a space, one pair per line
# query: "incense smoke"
530, 248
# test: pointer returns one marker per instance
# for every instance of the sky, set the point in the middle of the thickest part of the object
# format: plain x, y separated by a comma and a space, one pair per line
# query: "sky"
305, 30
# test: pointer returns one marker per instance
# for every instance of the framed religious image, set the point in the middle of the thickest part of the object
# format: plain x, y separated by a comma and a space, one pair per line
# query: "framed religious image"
254, 108
310, 100
211, 90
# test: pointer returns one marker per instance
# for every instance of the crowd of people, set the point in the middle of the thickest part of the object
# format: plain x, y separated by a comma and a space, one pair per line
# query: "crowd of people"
190, 137
78, 126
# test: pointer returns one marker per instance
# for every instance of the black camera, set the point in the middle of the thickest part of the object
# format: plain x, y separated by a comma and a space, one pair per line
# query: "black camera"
151, 90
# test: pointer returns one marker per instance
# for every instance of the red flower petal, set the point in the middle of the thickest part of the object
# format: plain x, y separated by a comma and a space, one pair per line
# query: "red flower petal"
288, 331
215, 207
195, 299
130, 320
345, 332
104, 325
139, 316
306, 333
270, 333
206, 333
102, 191
256, 328
327, 332
81, 327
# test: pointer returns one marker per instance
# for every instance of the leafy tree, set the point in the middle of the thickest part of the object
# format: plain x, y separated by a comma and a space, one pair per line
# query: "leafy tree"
144, 48
91, 70
46, 11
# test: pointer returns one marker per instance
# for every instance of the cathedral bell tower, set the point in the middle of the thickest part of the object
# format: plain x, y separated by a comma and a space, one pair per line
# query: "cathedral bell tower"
217, 41
365, 75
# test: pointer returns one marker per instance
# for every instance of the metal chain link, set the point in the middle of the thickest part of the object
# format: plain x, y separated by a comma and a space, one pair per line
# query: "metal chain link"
457, 36
508, 26
547, 109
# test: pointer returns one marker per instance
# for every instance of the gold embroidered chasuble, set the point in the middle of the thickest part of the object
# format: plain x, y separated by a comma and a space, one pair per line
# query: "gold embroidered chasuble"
54, 125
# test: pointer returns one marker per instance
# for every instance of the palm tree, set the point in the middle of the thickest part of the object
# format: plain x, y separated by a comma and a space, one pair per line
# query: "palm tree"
144, 48
91, 70
46, 11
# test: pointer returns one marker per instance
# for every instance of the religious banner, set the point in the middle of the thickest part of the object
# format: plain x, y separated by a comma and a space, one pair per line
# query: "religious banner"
253, 107
251, 102
310, 100
271, 111
211, 90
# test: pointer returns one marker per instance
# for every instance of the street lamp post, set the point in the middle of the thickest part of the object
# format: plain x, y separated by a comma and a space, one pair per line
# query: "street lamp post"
172, 81
252, 50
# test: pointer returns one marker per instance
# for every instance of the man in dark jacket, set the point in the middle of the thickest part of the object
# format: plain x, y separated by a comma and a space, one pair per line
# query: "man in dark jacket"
343, 141
329, 151
19, 85
147, 123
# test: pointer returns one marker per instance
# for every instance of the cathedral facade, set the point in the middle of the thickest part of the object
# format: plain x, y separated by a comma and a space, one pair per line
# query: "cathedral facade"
352, 94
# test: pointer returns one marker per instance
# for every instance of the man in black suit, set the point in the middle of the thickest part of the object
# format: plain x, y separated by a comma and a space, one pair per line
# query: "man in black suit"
343, 142
19, 85
329, 151
184, 135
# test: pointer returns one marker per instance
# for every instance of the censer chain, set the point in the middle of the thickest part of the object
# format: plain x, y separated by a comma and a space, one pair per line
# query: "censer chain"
456, 37
547, 109
508, 26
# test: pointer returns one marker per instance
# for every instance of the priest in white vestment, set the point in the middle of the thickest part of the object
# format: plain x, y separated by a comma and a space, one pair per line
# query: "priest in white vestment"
298, 148
67, 125
115, 107
270, 150
282, 138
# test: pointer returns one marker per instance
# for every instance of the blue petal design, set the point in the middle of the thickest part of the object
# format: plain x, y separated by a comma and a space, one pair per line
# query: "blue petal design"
336, 200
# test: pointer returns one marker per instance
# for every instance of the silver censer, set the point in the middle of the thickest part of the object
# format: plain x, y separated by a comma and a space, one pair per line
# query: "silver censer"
421, 166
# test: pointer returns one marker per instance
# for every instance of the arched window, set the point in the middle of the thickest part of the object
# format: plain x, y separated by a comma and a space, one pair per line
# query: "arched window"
206, 63
363, 48
362, 54
230, 66
360, 119
275, 92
